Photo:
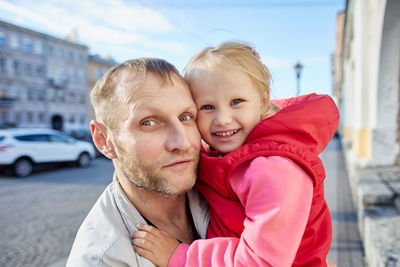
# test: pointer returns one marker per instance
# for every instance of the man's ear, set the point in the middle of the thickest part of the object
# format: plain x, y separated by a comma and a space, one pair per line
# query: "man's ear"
100, 139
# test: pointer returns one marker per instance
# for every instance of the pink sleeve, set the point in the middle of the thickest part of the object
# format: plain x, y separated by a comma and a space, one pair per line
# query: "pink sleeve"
277, 195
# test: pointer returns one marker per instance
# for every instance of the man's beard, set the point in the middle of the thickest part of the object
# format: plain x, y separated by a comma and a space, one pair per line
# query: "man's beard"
144, 175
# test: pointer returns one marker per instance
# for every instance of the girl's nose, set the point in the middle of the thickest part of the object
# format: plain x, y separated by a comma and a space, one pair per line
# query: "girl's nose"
223, 118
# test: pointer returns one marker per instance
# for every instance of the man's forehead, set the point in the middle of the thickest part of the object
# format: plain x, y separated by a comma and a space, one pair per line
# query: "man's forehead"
154, 95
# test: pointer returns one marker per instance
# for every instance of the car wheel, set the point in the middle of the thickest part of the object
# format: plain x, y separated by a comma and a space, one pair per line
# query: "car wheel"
23, 167
84, 160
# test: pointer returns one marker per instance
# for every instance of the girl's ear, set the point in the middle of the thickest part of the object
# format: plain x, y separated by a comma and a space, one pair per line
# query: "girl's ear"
265, 106
100, 139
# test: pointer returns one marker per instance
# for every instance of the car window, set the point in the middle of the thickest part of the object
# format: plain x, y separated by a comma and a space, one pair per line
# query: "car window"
33, 138
57, 138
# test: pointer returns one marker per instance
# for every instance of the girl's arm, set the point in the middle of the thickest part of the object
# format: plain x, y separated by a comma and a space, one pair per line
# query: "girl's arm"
276, 195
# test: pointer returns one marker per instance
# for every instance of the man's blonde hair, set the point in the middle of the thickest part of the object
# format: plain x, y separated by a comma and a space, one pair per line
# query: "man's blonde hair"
130, 75
237, 55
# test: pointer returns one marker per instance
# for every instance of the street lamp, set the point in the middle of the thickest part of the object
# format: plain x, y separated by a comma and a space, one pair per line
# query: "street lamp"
298, 67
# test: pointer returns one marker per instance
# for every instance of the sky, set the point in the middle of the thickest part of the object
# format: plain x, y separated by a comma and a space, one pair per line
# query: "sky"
283, 32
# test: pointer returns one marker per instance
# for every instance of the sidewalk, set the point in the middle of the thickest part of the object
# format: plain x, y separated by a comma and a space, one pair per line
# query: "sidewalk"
376, 194
346, 249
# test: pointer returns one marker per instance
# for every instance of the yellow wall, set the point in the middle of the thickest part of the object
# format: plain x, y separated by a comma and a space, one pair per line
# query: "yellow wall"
362, 140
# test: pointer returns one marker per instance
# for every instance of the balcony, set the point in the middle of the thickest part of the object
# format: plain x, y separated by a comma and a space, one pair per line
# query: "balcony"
57, 84
6, 101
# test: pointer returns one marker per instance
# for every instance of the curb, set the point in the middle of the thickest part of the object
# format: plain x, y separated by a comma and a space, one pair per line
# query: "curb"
375, 193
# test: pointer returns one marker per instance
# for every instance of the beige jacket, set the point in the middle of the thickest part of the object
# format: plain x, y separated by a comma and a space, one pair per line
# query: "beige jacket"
104, 236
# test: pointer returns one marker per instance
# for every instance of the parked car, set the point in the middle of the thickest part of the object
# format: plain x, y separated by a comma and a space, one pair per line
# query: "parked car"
22, 148
85, 135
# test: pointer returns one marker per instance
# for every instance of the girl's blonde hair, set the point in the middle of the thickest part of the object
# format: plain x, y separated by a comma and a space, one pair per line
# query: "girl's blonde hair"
236, 55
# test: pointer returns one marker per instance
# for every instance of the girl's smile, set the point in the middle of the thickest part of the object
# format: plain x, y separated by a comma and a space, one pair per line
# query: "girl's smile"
229, 106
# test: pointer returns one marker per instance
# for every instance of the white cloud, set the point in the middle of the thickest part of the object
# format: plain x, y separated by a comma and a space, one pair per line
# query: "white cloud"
112, 22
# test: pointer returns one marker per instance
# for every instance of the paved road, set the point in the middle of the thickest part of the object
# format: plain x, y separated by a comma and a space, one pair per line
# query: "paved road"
346, 249
40, 214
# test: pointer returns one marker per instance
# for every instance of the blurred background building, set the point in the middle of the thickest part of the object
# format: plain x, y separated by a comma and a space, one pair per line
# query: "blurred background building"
43, 80
366, 80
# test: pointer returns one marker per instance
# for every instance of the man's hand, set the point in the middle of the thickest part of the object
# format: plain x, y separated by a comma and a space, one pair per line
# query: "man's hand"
155, 245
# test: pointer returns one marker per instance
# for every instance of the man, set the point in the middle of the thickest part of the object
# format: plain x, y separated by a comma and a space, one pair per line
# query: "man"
145, 123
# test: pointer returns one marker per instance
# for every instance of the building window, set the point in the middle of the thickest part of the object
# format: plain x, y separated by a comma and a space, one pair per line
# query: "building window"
2, 39
3, 68
82, 58
38, 47
71, 98
81, 75
70, 74
17, 117
4, 116
41, 117
70, 56
40, 71
28, 69
27, 45
61, 52
72, 119
41, 95
14, 41
29, 116
53, 94
83, 119
17, 67
29, 93
82, 99
50, 50
61, 96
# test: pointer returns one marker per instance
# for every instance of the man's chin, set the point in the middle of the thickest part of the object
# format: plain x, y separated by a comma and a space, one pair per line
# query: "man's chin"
167, 187
179, 189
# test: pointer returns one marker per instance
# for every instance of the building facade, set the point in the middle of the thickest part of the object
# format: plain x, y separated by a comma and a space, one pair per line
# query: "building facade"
368, 90
43, 80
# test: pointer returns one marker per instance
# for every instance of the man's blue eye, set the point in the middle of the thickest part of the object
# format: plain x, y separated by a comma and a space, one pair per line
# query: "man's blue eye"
237, 101
185, 118
148, 123
208, 107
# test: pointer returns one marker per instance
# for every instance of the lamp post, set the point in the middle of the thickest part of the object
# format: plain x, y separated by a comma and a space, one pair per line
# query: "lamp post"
298, 67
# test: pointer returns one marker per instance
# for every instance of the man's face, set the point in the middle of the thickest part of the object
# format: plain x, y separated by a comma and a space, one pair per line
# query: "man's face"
158, 142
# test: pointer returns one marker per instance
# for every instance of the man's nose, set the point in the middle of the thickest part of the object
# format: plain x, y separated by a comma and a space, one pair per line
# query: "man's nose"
223, 117
177, 138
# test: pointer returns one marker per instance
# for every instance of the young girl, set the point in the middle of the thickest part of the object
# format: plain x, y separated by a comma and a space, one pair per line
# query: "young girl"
260, 171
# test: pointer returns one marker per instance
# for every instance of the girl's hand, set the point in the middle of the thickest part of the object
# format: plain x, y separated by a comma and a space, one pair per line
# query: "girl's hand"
155, 245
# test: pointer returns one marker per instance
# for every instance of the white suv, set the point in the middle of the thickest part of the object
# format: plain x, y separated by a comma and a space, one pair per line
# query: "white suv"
21, 148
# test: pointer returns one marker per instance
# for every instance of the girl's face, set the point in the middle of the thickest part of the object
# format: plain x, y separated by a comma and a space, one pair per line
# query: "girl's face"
229, 106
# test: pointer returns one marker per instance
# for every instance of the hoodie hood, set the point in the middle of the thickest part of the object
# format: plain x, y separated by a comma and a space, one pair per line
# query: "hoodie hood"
307, 122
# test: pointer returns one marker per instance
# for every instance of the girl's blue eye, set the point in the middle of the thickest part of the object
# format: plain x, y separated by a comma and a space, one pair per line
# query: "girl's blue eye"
207, 107
237, 101
185, 118
148, 123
